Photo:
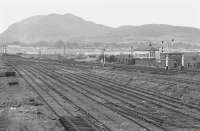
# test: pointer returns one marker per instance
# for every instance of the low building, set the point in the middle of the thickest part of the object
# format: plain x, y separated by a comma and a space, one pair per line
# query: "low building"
146, 52
146, 56
192, 60
172, 60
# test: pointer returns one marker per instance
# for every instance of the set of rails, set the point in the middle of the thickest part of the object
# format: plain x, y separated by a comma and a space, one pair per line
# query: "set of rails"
82, 121
160, 73
52, 81
168, 81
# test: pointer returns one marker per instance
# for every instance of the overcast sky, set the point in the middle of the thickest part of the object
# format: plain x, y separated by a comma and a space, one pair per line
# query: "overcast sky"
108, 12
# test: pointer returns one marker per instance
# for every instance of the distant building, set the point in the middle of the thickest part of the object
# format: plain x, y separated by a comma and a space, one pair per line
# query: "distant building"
147, 52
192, 60
172, 59
146, 56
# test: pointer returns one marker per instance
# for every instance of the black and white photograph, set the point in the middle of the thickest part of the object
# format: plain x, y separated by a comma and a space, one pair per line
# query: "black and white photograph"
99, 65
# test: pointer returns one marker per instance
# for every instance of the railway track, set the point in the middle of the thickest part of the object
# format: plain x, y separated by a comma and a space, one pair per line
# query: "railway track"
83, 122
120, 112
173, 83
137, 88
136, 121
167, 81
144, 95
91, 86
159, 96
163, 73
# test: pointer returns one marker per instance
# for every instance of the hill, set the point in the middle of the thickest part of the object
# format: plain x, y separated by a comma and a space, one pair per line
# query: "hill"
158, 32
53, 27
70, 28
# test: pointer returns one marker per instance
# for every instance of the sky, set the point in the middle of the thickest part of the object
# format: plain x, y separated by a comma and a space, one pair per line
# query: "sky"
107, 12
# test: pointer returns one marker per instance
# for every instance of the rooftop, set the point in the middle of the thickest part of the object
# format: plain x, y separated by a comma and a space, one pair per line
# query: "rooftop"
149, 48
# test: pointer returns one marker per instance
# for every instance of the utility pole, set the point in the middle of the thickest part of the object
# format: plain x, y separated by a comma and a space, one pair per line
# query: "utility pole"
4, 49
150, 45
40, 53
1, 49
47, 51
162, 48
169, 45
167, 62
64, 49
131, 51
104, 57
172, 43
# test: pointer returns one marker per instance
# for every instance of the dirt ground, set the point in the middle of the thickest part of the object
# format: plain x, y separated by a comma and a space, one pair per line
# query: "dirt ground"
22, 110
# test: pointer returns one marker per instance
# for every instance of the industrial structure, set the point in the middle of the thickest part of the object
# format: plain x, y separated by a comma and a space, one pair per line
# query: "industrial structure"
162, 57
172, 60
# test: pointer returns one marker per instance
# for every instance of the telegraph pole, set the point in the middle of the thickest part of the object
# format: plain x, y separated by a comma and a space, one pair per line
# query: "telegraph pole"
131, 51
39, 53
64, 53
162, 48
172, 44
5, 49
104, 57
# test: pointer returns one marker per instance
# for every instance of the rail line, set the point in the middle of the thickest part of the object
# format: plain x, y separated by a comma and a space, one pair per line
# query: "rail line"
135, 88
94, 86
79, 74
67, 123
169, 81
120, 112
123, 101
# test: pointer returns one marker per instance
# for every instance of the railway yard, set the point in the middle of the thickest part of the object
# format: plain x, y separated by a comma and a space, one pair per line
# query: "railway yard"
47, 95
